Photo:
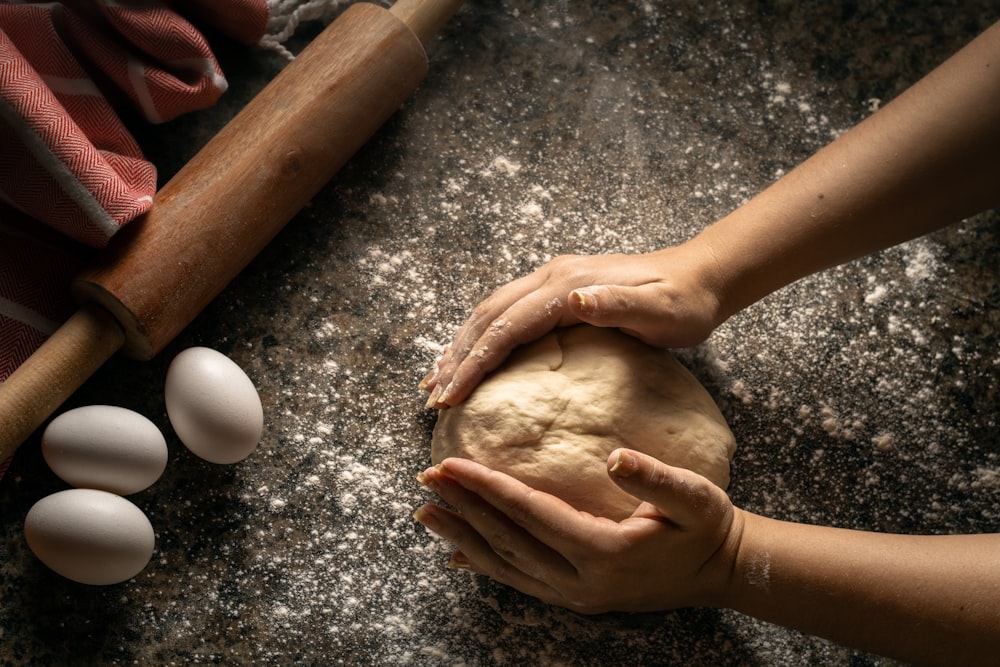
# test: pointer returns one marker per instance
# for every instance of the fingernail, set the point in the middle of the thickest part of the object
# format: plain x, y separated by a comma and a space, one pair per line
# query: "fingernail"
582, 300
433, 400
428, 480
624, 464
586, 299
459, 561
424, 517
445, 394
428, 379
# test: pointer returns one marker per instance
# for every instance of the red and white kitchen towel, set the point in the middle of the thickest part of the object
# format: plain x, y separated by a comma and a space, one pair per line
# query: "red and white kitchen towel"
71, 174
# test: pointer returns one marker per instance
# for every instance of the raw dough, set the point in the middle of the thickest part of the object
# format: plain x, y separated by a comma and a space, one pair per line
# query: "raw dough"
557, 408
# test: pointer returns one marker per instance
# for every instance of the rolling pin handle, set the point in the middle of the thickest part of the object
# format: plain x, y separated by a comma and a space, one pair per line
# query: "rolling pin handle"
53, 372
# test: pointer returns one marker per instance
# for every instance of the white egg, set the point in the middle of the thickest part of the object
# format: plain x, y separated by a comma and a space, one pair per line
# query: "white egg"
105, 447
213, 405
90, 536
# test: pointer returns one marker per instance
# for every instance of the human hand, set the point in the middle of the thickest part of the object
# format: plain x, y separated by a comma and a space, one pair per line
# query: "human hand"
666, 298
677, 549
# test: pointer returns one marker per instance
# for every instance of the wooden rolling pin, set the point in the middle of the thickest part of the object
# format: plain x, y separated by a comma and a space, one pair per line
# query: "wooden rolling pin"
229, 201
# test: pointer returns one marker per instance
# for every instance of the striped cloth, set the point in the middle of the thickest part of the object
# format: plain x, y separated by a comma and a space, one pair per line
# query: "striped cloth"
71, 175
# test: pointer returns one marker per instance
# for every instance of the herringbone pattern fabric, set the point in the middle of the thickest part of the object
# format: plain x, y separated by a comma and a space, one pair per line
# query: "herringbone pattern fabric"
68, 161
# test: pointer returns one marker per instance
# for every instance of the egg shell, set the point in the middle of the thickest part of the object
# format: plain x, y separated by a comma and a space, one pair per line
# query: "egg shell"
213, 406
105, 447
90, 536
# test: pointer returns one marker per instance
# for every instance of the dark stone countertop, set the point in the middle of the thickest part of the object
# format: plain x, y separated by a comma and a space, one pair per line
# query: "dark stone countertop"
862, 397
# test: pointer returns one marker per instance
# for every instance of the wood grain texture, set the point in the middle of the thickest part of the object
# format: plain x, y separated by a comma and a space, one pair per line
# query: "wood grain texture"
49, 376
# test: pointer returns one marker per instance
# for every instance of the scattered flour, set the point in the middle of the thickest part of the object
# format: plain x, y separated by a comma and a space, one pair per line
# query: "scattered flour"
849, 392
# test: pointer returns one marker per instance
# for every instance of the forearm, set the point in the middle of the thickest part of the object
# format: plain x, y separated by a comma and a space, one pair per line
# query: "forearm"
926, 160
926, 599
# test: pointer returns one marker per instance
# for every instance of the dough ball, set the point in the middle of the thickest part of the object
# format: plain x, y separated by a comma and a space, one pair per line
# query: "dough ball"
557, 408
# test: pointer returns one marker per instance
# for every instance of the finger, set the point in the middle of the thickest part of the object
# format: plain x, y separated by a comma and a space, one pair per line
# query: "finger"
526, 321
517, 313
682, 496
551, 521
429, 381
506, 538
483, 316
475, 554
625, 307
454, 528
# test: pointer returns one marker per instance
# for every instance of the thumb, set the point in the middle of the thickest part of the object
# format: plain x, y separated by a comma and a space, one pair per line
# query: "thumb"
648, 312
615, 306
682, 496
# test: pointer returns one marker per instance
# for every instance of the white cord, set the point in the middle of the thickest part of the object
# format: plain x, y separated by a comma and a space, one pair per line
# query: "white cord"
286, 15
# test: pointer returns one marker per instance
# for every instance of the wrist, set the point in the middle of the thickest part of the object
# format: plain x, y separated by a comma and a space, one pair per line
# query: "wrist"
698, 279
718, 272
725, 568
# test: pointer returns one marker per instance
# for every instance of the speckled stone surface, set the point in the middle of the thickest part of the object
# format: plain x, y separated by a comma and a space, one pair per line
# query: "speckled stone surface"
862, 397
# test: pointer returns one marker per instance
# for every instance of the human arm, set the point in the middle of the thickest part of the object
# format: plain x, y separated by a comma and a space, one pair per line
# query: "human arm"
928, 599
925, 160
